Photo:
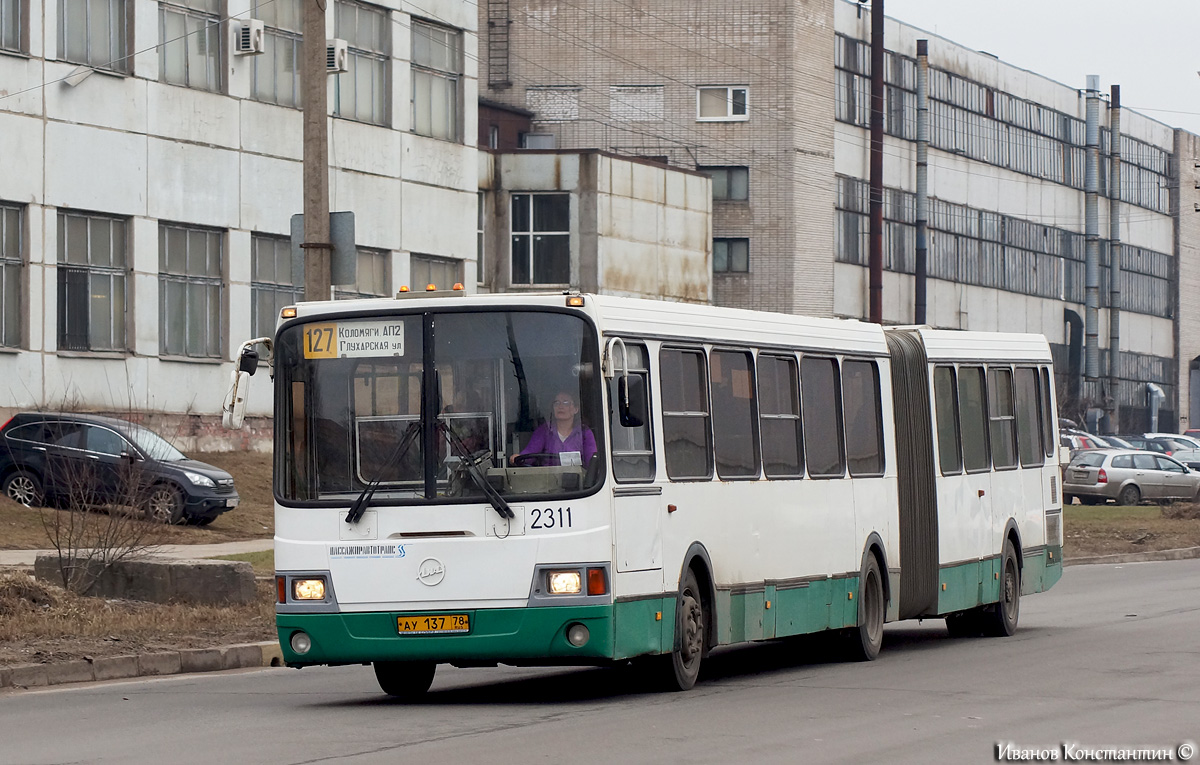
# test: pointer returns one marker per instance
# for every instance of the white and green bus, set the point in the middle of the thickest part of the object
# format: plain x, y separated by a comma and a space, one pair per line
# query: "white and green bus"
581, 479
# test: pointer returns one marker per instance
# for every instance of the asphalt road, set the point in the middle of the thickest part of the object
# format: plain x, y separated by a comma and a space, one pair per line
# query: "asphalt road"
1109, 658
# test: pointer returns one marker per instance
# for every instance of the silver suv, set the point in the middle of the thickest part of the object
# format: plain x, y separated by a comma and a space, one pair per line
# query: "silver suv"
1128, 476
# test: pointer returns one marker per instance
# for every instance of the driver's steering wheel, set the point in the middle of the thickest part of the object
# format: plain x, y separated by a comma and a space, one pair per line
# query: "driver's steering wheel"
521, 459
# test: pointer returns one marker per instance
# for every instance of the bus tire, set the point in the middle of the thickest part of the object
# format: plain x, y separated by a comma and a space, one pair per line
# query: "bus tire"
867, 638
1000, 620
407, 680
682, 666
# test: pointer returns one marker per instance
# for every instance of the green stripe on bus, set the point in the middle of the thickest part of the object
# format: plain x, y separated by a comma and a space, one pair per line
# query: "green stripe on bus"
496, 634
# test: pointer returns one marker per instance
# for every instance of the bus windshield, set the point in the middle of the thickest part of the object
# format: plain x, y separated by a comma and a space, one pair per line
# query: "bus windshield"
428, 407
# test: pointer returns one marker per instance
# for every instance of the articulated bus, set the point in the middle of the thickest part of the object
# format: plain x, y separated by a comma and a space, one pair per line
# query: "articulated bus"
581, 479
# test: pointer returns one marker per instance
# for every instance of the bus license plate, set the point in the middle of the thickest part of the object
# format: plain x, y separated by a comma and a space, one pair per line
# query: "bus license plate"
439, 624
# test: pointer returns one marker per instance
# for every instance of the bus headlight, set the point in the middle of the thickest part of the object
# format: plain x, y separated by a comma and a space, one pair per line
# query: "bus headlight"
563, 582
308, 589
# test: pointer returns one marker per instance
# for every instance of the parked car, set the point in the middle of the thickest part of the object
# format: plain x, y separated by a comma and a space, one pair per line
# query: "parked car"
1188, 442
1147, 444
1189, 458
58, 459
1128, 477
1078, 440
1193, 432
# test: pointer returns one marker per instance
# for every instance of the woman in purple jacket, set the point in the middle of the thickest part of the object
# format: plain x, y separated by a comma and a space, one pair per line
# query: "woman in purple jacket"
563, 438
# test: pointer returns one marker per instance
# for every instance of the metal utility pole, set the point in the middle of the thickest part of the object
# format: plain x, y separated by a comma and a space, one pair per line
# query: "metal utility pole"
314, 96
876, 180
922, 178
1091, 188
1114, 263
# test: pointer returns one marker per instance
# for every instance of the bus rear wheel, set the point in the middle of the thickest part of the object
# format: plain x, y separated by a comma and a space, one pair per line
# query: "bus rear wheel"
682, 666
867, 638
1000, 620
408, 680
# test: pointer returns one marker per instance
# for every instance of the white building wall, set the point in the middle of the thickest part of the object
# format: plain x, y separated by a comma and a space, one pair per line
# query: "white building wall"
149, 152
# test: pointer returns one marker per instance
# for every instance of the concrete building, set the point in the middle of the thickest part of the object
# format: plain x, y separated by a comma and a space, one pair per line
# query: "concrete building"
771, 99
594, 221
152, 165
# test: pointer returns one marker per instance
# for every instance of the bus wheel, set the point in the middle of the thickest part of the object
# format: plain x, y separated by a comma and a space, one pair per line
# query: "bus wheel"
1000, 620
682, 666
406, 680
867, 638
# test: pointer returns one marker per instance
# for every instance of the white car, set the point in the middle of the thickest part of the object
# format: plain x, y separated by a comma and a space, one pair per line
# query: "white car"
1195, 442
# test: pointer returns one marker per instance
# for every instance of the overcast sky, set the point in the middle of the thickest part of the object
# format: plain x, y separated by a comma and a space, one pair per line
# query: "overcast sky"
1151, 48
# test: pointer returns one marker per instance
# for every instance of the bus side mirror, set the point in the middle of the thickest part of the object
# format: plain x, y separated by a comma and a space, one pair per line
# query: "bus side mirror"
233, 409
632, 407
248, 361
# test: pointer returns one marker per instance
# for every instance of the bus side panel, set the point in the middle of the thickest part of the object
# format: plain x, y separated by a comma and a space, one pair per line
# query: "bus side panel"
642, 626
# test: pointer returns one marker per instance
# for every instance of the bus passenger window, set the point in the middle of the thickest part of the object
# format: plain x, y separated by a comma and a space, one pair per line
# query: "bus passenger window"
1048, 419
1029, 426
945, 404
632, 447
735, 444
1003, 421
822, 418
686, 431
972, 417
860, 400
779, 417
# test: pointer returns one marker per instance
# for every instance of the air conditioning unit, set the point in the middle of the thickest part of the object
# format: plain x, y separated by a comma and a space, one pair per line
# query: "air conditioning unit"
251, 39
337, 57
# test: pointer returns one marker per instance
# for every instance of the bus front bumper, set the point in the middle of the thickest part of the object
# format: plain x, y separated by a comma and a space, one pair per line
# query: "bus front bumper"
508, 635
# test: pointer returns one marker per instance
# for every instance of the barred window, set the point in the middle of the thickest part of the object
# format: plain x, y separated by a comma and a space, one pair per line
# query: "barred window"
92, 273
12, 261
436, 71
191, 41
729, 183
93, 33
372, 276
362, 92
276, 72
190, 290
274, 283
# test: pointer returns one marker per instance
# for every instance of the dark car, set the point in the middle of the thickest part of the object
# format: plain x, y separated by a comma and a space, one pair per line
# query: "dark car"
1159, 443
79, 459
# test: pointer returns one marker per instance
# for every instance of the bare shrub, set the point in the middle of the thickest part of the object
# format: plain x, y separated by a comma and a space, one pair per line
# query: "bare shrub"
1182, 511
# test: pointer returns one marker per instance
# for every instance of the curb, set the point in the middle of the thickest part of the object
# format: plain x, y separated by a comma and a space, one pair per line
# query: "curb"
267, 654
1182, 553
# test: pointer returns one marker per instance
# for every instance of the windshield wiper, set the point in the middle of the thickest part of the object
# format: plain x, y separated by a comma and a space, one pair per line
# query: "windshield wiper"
472, 465
364, 499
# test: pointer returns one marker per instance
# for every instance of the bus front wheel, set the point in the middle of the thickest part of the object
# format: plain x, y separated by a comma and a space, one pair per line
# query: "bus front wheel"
682, 666
406, 680
867, 638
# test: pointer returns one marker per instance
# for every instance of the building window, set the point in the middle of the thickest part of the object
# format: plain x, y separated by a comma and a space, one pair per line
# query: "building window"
273, 282
541, 238
277, 71
731, 256
12, 248
361, 93
729, 183
721, 103
190, 287
538, 141
190, 53
91, 282
424, 270
436, 70
93, 32
372, 276
12, 25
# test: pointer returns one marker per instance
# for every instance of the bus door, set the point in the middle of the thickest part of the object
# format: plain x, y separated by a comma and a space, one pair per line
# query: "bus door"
637, 498
965, 488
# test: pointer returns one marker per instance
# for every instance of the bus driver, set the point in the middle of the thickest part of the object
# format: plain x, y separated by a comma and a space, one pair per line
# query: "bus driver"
562, 440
